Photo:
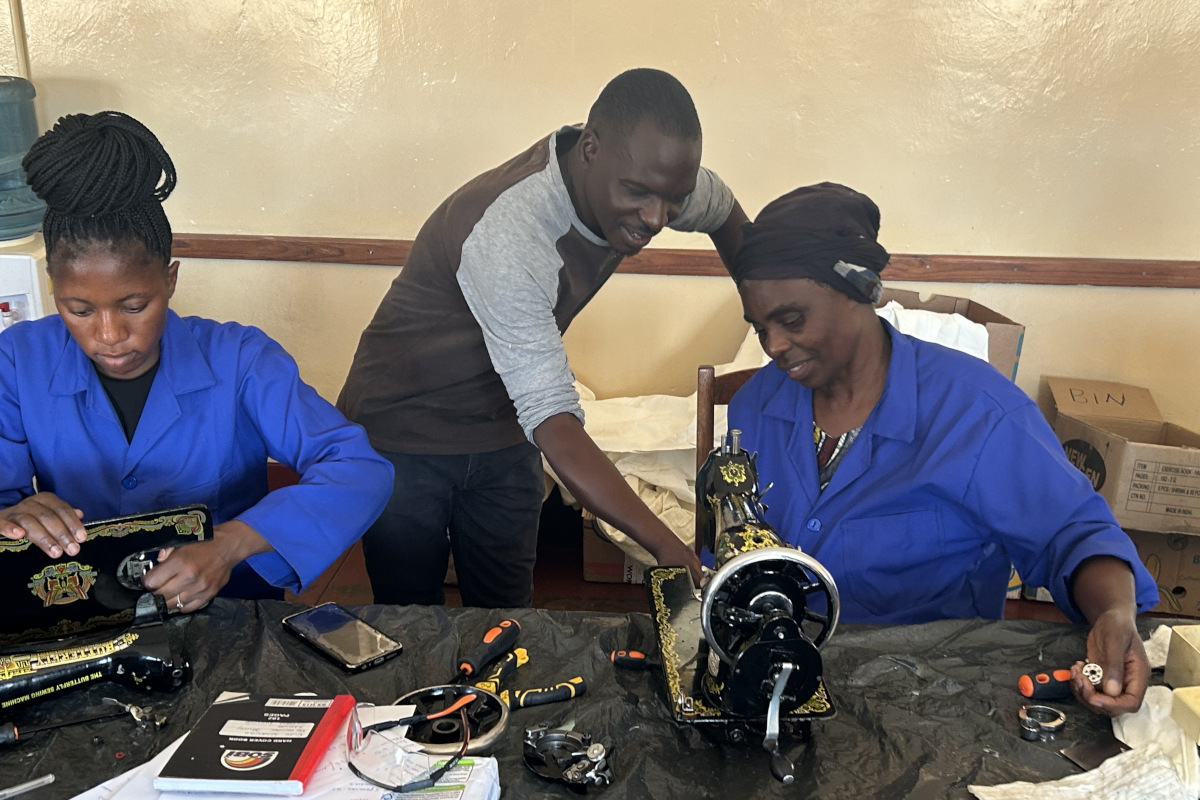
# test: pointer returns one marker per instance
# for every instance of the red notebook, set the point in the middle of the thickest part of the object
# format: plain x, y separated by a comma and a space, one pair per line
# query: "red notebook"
256, 744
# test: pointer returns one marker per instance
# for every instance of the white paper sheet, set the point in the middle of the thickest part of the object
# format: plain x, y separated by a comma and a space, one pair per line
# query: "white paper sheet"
332, 780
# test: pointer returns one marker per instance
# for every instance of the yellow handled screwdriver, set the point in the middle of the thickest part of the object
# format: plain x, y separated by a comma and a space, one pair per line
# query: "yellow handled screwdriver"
503, 670
524, 698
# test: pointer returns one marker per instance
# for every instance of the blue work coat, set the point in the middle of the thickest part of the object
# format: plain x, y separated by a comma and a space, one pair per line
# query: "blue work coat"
954, 475
225, 398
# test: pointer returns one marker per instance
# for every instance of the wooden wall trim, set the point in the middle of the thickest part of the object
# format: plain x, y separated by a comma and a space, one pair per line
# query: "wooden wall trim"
322, 250
655, 261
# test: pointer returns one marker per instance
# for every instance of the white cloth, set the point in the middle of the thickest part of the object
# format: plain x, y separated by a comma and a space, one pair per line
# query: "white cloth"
1157, 646
1139, 774
1152, 726
950, 330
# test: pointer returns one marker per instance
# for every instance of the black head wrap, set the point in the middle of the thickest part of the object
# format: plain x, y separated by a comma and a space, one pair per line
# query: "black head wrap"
825, 233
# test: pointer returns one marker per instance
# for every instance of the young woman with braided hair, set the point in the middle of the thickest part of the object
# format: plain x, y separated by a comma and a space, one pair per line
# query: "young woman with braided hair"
117, 405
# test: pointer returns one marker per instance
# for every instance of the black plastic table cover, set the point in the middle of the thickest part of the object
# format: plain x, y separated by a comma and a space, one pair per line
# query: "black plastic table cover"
922, 711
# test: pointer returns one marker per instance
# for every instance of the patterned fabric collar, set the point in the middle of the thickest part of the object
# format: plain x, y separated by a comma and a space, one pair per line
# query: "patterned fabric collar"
830, 450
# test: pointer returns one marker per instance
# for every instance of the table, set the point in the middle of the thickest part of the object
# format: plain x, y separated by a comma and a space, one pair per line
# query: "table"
922, 711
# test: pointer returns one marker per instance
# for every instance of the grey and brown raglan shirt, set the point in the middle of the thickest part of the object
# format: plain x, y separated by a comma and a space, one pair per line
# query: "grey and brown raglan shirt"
465, 353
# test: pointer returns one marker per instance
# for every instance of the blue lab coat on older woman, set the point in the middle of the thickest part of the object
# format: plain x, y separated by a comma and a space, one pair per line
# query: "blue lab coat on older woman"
225, 399
954, 477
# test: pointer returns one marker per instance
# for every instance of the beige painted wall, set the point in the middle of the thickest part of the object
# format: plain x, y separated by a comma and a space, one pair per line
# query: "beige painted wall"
1030, 127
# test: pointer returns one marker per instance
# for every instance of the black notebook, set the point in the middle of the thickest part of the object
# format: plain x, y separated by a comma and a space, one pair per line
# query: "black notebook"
256, 744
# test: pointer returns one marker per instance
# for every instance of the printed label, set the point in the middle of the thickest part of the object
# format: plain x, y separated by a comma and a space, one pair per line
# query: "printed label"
298, 702
1163, 488
266, 730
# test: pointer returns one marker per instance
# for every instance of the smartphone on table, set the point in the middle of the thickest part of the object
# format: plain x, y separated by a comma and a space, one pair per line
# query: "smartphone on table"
342, 637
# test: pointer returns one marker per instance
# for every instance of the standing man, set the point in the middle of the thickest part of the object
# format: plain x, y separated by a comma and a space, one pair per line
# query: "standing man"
462, 376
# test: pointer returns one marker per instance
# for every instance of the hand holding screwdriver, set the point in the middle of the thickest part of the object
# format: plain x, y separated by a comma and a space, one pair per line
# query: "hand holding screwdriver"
496, 642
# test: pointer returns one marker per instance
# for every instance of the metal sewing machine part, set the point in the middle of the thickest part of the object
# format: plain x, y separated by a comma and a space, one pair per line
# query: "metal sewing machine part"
486, 719
568, 756
754, 665
1093, 672
1040, 723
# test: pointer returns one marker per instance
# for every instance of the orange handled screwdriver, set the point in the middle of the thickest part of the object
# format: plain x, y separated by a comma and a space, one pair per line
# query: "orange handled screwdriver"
496, 642
632, 659
1054, 685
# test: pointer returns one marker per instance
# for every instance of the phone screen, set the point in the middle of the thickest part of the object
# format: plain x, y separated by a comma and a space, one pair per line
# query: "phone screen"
344, 635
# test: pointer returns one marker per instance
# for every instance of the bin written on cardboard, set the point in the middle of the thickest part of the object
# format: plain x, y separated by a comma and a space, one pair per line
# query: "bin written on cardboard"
1147, 469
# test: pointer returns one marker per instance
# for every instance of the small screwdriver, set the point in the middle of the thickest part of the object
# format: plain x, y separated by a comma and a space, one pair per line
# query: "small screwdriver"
632, 659
1055, 685
503, 669
524, 698
497, 641
11, 734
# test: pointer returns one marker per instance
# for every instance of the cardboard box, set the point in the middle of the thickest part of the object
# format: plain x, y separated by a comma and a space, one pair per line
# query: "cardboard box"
1183, 657
1005, 337
1185, 710
1173, 560
603, 561
1147, 469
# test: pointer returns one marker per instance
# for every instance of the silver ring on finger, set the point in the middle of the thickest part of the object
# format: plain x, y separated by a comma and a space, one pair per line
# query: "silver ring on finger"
179, 602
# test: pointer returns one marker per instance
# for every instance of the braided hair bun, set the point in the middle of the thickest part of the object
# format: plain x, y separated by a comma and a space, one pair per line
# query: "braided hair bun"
103, 177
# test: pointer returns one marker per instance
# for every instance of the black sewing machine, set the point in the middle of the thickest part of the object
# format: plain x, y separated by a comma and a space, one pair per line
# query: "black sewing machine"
148, 656
743, 656
80, 596
99, 587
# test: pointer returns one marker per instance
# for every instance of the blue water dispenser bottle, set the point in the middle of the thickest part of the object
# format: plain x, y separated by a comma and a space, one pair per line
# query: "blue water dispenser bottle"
20, 209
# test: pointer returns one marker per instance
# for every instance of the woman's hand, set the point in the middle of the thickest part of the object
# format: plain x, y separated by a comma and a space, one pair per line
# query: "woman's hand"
188, 577
1113, 644
48, 521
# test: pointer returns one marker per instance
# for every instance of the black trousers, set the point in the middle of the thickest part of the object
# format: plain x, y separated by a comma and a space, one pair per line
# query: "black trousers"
483, 507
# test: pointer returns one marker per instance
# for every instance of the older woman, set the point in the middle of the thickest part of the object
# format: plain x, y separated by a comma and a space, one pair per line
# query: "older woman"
914, 473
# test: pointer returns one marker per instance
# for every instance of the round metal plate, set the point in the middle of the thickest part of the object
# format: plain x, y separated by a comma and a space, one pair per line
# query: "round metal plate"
487, 718
808, 575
